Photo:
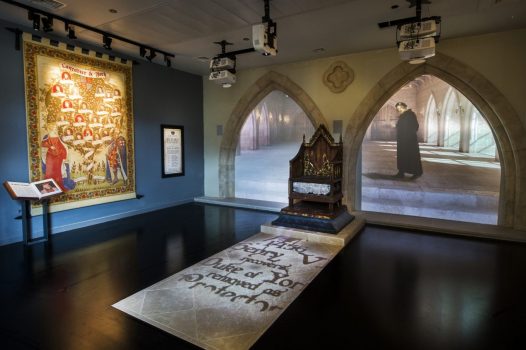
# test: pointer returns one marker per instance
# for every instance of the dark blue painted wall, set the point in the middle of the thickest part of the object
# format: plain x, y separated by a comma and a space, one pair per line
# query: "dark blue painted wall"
160, 96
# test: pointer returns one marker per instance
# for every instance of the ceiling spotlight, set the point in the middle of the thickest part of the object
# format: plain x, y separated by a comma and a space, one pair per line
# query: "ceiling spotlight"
142, 51
106, 40
47, 24
35, 18
167, 61
151, 56
71, 32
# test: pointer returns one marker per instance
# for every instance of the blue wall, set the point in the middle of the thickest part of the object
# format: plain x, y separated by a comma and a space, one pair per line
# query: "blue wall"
160, 96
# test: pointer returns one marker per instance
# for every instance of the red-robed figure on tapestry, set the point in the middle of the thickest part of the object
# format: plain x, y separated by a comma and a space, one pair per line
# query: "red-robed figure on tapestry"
55, 155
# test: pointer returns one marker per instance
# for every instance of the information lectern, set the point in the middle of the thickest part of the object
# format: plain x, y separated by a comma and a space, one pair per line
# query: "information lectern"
26, 193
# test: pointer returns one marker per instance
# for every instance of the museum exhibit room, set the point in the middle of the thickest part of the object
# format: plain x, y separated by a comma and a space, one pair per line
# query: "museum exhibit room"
262, 174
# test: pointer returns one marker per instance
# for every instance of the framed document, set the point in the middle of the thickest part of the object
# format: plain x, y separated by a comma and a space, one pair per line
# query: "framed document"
172, 150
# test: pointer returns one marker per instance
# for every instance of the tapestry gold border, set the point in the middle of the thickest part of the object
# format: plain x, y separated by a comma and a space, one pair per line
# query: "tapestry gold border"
94, 193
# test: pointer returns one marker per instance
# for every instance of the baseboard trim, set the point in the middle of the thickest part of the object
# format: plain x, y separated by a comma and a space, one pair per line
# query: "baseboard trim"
90, 222
457, 228
441, 226
255, 204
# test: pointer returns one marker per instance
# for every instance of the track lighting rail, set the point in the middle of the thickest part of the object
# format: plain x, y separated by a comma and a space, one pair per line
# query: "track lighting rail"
107, 37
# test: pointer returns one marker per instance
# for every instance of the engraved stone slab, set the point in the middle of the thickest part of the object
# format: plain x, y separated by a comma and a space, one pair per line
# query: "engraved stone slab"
229, 300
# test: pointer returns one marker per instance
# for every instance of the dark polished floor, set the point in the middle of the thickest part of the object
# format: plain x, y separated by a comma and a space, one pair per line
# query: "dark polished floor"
387, 289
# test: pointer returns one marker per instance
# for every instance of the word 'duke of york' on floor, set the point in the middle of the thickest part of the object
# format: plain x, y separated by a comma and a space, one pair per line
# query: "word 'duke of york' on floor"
258, 272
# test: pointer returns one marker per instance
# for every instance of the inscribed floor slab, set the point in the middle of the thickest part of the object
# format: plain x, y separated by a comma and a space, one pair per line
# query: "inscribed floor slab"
230, 299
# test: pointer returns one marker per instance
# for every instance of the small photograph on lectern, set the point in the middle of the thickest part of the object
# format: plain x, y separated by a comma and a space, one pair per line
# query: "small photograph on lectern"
47, 187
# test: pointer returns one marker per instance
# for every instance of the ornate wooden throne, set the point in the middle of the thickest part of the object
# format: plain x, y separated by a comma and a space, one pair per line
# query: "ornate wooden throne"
315, 186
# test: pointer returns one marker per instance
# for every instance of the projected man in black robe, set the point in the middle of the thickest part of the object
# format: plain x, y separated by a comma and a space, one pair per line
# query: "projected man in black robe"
408, 153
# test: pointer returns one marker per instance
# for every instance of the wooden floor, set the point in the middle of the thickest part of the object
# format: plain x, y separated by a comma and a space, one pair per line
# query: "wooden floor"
387, 289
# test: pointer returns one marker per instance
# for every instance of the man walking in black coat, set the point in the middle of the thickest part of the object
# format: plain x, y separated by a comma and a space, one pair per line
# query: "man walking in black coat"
408, 153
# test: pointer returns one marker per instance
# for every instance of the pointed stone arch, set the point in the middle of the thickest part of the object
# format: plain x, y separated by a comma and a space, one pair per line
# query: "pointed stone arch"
428, 113
262, 87
506, 125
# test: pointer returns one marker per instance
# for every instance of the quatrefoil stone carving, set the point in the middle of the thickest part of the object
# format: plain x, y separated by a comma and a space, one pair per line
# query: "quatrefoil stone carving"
338, 76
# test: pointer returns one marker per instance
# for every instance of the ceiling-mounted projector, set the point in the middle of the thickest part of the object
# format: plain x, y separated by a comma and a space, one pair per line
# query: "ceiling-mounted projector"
223, 63
417, 30
264, 39
417, 49
223, 71
223, 78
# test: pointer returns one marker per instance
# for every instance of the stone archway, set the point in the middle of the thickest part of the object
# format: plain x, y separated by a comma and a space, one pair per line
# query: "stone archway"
507, 129
262, 87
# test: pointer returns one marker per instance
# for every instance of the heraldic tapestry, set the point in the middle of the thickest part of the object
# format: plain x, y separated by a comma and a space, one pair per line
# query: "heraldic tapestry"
80, 124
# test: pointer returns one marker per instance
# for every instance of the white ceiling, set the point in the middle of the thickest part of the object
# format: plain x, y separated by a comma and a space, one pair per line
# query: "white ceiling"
188, 28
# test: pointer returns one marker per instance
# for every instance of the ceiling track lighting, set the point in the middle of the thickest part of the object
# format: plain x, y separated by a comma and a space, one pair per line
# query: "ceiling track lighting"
47, 24
168, 61
43, 20
71, 31
152, 55
106, 42
35, 18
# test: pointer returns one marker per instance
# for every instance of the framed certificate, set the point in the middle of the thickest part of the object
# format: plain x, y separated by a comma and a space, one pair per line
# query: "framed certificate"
172, 149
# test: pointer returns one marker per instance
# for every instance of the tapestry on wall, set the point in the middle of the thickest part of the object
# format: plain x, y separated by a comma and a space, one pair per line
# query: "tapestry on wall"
80, 124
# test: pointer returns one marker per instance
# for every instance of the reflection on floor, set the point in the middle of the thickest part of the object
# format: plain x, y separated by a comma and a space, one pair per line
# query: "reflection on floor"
387, 289
454, 186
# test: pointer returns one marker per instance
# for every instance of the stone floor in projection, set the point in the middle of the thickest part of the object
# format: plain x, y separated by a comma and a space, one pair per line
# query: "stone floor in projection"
454, 186
230, 299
